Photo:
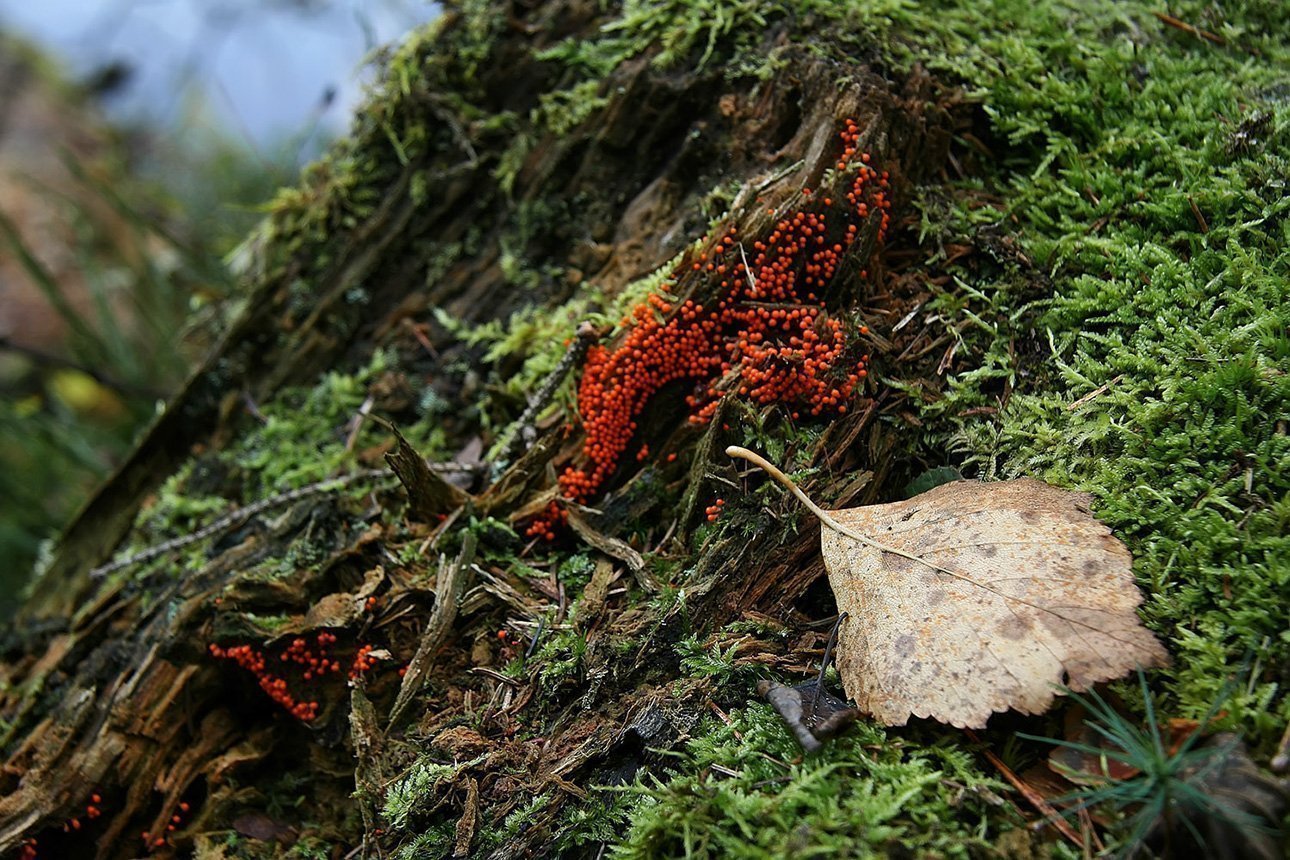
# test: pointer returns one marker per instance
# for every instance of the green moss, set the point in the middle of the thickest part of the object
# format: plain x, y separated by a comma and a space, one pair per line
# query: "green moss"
559, 659
437, 841
575, 572
863, 795
1165, 249
705, 34
712, 662
407, 793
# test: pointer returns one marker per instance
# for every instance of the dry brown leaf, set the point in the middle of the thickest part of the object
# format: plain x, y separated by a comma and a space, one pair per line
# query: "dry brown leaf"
977, 597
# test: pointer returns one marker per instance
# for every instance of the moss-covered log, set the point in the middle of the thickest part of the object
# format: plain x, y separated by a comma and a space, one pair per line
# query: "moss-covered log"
351, 670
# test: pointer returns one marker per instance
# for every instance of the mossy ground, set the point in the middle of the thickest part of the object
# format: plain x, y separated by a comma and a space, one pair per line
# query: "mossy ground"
1141, 169
1121, 329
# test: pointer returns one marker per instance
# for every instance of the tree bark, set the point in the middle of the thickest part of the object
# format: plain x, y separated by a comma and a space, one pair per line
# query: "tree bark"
110, 689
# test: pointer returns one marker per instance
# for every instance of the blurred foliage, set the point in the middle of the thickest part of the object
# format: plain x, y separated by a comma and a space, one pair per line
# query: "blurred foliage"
145, 223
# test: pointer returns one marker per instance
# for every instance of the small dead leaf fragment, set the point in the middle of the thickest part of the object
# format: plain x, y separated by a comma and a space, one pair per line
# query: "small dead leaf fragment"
339, 609
810, 719
450, 584
977, 597
614, 548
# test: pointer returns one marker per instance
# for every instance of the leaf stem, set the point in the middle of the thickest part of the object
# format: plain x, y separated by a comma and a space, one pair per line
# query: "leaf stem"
824, 516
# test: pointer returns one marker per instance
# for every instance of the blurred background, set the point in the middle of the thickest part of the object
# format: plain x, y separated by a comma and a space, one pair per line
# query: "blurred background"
137, 140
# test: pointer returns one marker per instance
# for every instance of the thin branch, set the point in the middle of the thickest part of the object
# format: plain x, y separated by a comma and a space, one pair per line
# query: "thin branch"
521, 430
241, 515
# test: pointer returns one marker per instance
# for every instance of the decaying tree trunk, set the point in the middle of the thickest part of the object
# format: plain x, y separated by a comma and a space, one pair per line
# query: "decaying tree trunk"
111, 689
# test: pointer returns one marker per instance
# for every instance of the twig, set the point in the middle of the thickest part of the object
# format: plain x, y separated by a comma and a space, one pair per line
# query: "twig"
905, 320
752, 282
725, 718
1033, 797
253, 408
537, 634
450, 584
1190, 28
495, 675
237, 517
1200, 219
356, 423
520, 431
824, 663
1094, 394
241, 515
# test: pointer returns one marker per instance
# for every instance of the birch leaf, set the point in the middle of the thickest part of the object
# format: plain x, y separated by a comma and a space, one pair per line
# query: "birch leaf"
977, 597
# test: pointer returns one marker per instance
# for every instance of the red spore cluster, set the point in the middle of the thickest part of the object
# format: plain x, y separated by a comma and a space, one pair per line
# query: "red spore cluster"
254, 661
362, 662
154, 842
93, 810
314, 663
30, 849
766, 337
311, 659
713, 510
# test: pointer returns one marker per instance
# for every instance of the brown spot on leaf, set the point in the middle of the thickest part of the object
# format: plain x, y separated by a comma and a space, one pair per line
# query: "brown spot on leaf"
896, 564
904, 645
1014, 627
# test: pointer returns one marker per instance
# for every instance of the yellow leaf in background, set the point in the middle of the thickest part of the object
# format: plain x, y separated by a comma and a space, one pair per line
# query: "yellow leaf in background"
83, 395
28, 406
974, 598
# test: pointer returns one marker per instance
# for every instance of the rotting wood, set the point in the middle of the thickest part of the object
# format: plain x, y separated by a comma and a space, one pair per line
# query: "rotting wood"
429, 496
614, 548
449, 586
131, 681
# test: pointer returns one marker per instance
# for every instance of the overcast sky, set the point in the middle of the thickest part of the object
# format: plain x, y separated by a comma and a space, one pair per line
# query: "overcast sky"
263, 65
